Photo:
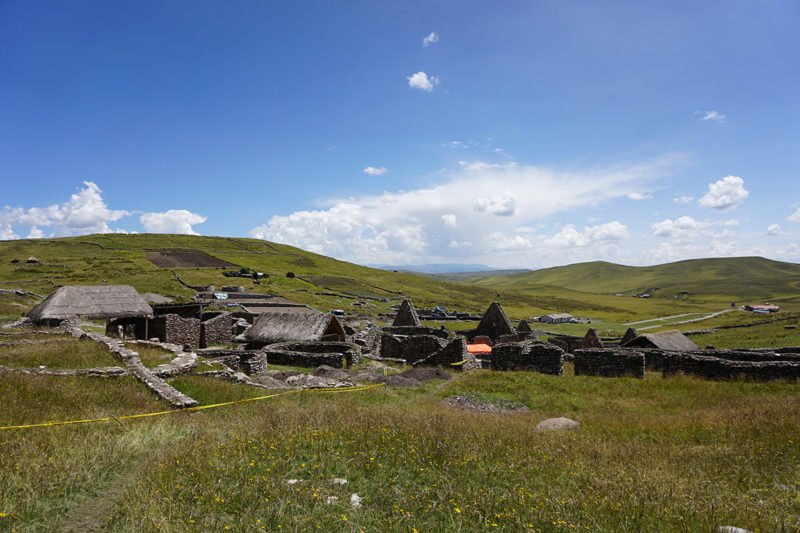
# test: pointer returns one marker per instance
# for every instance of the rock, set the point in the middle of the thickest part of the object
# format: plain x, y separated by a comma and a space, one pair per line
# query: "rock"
269, 382
355, 500
731, 529
339, 481
307, 381
293, 481
557, 424
331, 499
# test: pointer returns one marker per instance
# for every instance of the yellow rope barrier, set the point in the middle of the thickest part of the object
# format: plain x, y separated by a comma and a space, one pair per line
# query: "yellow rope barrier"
197, 408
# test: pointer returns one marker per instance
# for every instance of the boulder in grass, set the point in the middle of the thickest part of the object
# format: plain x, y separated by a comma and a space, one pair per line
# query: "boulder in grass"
557, 424
731, 529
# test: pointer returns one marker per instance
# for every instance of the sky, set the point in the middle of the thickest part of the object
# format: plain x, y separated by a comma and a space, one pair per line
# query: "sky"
518, 134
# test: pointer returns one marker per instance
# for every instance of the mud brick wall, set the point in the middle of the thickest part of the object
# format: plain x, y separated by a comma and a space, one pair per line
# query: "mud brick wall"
176, 329
536, 356
714, 368
609, 363
216, 330
411, 348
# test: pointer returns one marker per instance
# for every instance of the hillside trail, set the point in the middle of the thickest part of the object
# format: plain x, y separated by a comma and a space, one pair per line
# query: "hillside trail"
696, 319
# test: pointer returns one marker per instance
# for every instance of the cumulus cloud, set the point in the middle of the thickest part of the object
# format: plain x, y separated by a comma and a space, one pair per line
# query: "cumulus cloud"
6, 233
712, 115
794, 217
422, 81
570, 237
407, 227
774, 229
85, 212
449, 220
172, 221
503, 243
640, 196
502, 206
683, 199
35, 233
725, 194
687, 227
431, 38
376, 171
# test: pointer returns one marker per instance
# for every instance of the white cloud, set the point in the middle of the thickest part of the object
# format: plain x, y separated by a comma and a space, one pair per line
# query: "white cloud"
432, 37
688, 228
35, 233
794, 217
407, 227
774, 229
6, 233
712, 115
502, 243
172, 221
683, 199
640, 196
502, 206
376, 171
727, 193
449, 220
85, 212
421, 81
570, 237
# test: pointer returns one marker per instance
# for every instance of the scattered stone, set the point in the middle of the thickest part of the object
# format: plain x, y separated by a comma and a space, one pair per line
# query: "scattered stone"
331, 499
557, 424
269, 382
339, 481
731, 529
293, 481
425, 374
463, 401
355, 500
307, 381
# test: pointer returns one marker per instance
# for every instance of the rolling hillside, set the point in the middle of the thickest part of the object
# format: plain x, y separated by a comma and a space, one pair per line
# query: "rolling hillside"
734, 278
152, 263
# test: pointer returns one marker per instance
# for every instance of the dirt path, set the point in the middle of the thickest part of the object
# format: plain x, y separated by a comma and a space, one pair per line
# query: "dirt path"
699, 318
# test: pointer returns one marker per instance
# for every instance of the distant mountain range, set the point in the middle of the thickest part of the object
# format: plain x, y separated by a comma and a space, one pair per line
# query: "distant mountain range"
448, 268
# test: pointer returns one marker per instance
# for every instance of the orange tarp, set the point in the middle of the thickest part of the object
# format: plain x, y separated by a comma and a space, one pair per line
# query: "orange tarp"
479, 348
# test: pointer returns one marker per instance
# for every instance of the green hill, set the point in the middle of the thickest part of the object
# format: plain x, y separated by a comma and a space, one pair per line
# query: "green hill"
718, 279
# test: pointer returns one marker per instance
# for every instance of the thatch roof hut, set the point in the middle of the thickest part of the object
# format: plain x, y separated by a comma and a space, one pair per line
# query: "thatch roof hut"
672, 340
495, 323
92, 302
406, 315
32, 259
297, 327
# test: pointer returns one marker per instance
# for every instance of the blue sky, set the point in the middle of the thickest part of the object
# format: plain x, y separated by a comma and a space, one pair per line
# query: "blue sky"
512, 134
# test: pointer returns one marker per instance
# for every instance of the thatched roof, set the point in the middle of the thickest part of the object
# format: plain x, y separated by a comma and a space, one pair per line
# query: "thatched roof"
284, 327
154, 298
495, 322
672, 340
92, 302
406, 315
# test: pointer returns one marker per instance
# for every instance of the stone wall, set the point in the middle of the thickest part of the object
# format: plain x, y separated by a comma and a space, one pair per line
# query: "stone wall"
609, 363
312, 354
715, 368
412, 348
454, 352
536, 356
176, 329
416, 331
132, 328
217, 329
568, 343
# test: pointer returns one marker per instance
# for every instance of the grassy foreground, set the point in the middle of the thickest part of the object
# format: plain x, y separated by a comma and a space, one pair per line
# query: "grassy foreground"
674, 454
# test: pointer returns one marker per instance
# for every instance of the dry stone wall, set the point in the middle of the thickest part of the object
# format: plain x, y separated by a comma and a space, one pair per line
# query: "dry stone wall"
312, 354
176, 329
609, 363
413, 348
715, 368
416, 331
216, 330
536, 356
454, 352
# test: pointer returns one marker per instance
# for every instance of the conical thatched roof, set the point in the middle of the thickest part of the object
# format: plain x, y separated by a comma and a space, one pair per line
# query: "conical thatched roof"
285, 327
495, 322
92, 302
406, 315
672, 340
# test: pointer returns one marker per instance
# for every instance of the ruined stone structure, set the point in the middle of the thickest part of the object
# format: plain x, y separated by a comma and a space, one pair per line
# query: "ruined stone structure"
411, 348
629, 336
495, 323
416, 330
406, 315
216, 328
536, 356
609, 363
715, 368
568, 343
454, 352
591, 340
311, 354
176, 329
